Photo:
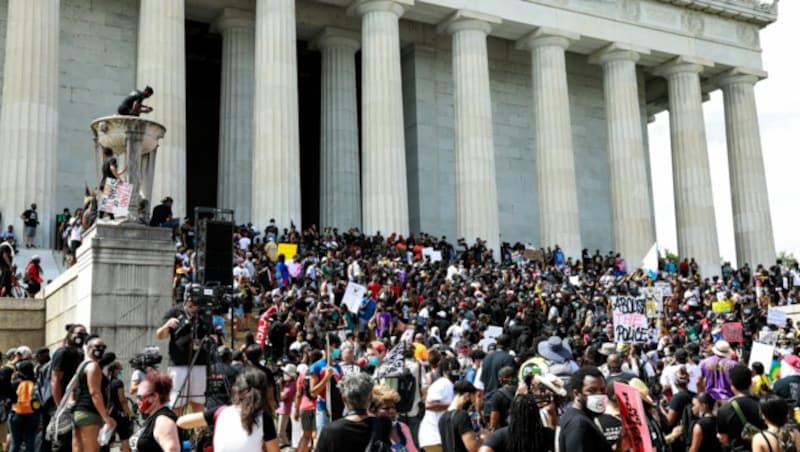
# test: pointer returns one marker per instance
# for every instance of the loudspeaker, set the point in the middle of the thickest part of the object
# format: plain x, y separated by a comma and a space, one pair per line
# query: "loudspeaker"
218, 252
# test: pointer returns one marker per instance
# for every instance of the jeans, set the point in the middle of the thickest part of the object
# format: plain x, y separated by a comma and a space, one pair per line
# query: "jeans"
322, 420
23, 430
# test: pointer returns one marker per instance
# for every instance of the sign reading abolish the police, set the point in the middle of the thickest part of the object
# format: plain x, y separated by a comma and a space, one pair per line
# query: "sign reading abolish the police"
630, 319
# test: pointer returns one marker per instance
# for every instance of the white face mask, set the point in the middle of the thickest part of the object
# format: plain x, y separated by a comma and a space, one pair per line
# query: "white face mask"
596, 403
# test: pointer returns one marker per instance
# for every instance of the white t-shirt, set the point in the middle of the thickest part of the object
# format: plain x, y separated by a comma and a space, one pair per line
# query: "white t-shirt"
232, 437
244, 243
440, 391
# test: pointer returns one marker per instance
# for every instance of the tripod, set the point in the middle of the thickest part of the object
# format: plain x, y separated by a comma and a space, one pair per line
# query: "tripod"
208, 345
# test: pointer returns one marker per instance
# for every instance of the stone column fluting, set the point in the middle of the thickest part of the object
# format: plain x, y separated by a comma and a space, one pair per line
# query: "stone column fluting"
29, 122
559, 222
383, 156
161, 64
276, 139
476, 184
752, 222
236, 112
340, 184
630, 200
694, 203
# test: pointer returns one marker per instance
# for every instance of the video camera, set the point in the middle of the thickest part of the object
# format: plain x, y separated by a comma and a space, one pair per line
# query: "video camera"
150, 357
208, 299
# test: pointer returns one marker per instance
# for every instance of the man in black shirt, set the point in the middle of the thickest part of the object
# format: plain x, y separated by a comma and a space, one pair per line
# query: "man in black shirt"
222, 376
30, 219
729, 425
186, 331
63, 366
499, 402
494, 362
133, 104
455, 425
354, 431
162, 215
577, 430
110, 169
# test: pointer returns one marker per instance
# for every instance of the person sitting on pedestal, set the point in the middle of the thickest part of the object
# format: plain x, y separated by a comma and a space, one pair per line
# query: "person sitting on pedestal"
133, 104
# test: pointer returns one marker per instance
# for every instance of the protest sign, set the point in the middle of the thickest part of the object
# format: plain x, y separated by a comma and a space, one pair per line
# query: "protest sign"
732, 332
722, 306
289, 250
116, 197
630, 319
575, 280
493, 331
634, 423
792, 312
353, 296
761, 353
666, 288
534, 255
427, 252
654, 301
436, 256
777, 317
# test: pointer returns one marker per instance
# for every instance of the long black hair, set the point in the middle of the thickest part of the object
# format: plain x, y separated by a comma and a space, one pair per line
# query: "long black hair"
525, 429
250, 393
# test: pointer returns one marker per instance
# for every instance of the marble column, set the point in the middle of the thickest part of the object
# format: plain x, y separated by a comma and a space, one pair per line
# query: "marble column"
276, 139
476, 184
559, 222
161, 64
340, 187
630, 198
236, 112
383, 155
752, 222
694, 203
29, 122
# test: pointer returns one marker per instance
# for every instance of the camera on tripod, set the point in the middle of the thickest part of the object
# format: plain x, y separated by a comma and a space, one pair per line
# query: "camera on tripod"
149, 358
210, 300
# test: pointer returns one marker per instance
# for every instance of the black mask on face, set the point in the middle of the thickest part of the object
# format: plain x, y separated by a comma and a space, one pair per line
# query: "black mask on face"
77, 340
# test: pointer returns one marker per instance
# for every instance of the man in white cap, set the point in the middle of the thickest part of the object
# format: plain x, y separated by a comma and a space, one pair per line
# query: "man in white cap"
716, 372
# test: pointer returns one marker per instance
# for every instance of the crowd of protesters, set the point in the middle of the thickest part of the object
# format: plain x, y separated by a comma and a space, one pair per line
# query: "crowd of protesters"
475, 351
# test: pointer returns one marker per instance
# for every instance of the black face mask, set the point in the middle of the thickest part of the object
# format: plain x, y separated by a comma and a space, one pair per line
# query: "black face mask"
78, 340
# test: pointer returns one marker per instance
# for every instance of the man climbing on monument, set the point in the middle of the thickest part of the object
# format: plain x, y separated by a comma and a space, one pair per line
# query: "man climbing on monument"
133, 104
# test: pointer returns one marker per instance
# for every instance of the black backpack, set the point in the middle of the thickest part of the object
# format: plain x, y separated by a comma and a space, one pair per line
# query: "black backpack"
43, 389
406, 386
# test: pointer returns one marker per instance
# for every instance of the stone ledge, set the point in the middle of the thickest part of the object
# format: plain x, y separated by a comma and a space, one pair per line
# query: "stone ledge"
758, 12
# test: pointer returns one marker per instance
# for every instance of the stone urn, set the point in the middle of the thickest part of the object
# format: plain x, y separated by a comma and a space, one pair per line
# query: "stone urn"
134, 141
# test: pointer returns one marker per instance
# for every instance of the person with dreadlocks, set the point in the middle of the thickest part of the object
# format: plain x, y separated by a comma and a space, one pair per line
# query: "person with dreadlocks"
525, 432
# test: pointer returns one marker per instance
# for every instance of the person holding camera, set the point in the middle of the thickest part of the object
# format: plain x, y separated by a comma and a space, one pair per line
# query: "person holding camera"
187, 359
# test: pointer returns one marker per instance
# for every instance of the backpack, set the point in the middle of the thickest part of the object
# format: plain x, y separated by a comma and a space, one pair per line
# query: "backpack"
406, 386
748, 430
43, 389
27, 398
487, 409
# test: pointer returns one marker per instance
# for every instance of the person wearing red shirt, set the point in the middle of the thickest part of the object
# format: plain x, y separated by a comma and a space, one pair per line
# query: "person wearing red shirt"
33, 276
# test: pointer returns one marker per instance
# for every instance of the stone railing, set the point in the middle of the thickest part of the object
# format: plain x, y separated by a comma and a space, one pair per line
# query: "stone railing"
62, 299
23, 323
761, 12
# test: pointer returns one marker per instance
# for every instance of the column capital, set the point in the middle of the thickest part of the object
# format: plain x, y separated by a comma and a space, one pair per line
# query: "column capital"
618, 51
361, 7
464, 19
683, 64
739, 75
235, 18
545, 37
332, 37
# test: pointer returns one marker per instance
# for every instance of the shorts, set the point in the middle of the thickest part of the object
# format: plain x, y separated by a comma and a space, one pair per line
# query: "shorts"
86, 418
29, 231
124, 428
308, 420
195, 388
322, 419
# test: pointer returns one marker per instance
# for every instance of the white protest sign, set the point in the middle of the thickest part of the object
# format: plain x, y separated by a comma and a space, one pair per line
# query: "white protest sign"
116, 197
654, 301
353, 296
493, 331
761, 353
427, 252
575, 280
436, 256
777, 317
666, 288
630, 319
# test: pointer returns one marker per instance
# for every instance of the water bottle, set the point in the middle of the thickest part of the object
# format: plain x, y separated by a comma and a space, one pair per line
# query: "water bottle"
105, 434
187, 445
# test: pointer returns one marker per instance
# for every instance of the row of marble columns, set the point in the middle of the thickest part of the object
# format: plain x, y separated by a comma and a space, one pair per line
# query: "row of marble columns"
259, 127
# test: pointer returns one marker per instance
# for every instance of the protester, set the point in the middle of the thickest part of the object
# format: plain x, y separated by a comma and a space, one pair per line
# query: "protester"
133, 104
118, 407
577, 430
741, 410
90, 411
776, 437
384, 404
455, 425
524, 432
33, 276
158, 433
704, 429
30, 218
63, 367
24, 419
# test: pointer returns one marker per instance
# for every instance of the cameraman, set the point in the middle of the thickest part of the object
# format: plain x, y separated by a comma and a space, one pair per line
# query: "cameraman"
186, 331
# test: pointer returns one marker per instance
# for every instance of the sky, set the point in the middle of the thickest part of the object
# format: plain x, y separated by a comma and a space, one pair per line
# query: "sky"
778, 102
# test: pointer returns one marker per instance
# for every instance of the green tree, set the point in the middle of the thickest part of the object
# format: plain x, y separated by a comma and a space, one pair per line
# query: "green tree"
787, 258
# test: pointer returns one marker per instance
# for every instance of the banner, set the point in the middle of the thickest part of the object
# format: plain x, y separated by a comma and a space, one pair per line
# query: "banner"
353, 296
630, 319
722, 306
393, 363
116, 197
732, 332
654, 301
289, 250
777, 317
634, 423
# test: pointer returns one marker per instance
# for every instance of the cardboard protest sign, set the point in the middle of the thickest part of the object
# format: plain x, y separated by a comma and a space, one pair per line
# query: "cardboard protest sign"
630, 319
289, 250
732, 332
116, 197
722, 306
493, 331
777, 317
634, 423
654, 301
534, 255
436, 256
761, 353
353, 296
